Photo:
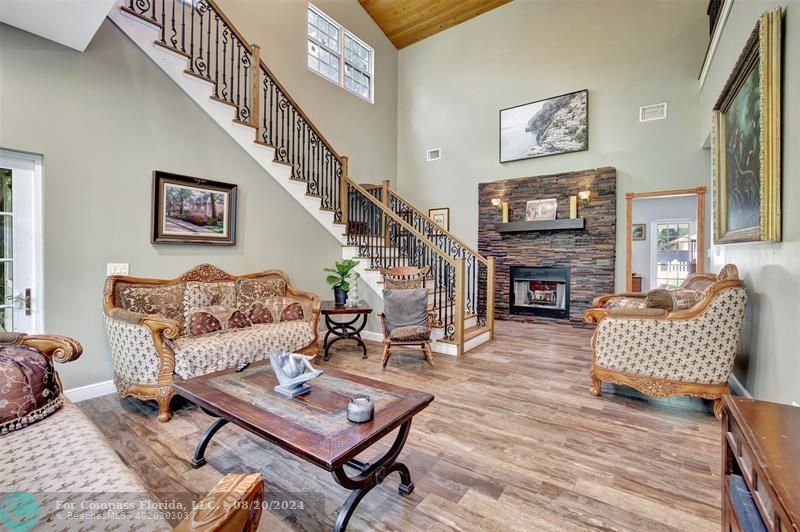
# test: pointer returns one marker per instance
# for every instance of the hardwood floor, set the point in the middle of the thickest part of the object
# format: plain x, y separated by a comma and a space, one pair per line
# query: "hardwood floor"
513, 441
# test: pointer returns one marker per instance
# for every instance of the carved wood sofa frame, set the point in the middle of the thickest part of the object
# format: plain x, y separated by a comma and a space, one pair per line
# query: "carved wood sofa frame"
653, 386
163, 329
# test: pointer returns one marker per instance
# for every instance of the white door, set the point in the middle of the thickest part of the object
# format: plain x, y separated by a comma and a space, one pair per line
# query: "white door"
20, 242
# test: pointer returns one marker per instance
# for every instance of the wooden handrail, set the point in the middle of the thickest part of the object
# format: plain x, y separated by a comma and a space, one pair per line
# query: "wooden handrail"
397, 219
480, 257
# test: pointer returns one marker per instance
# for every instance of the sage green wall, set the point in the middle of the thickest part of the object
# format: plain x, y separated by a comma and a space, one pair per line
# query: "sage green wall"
365, 132
769, 363
104, 120
628, 53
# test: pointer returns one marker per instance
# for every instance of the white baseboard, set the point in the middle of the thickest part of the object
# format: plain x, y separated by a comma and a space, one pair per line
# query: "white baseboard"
372, 336
90, 391
738, 388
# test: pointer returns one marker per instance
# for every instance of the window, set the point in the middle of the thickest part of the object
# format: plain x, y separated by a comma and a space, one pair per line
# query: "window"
338, 55
676, 250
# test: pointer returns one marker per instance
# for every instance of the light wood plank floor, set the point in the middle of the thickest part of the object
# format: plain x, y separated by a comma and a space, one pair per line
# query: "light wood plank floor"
513, 441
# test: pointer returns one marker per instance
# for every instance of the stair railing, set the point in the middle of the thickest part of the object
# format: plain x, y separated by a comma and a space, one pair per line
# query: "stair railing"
218, 53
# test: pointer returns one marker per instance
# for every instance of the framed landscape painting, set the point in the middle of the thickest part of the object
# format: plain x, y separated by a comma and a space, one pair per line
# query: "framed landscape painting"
545, 209
191, 210
746, 141
546, 127
441, 217
639, 232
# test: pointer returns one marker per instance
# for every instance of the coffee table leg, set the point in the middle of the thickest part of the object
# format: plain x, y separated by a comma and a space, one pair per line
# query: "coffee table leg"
199, 459
371, 477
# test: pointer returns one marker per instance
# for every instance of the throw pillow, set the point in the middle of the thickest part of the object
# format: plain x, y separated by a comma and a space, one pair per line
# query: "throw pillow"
163, 299
29, 390
405, 308
250, 290
274, 309
198, 295
206, 320
260, 313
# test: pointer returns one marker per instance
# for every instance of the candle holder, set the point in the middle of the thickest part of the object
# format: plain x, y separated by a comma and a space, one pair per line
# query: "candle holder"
360, 409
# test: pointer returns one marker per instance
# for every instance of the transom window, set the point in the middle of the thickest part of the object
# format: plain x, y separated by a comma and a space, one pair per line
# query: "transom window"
338, 55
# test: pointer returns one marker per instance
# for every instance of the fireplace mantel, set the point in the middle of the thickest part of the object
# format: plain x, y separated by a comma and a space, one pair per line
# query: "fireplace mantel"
542, 225
587, 249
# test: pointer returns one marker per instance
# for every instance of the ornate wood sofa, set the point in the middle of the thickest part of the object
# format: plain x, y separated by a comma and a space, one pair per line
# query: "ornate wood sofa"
664, 352
151, 344
62, 457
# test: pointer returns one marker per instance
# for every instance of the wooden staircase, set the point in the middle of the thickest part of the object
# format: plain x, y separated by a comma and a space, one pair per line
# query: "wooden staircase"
205, 54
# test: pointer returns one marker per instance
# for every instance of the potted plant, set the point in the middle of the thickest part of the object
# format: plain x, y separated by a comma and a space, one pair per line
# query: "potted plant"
340, 280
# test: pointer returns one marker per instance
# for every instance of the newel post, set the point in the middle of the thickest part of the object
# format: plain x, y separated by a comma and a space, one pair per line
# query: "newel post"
490, 295
384, 219
343, 203
255, 92
458, 310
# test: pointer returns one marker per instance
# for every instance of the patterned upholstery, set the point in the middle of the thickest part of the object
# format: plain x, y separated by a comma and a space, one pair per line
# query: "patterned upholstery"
66, 458
164, 299
213, 352
133, 354
250, 290
413, 333
199, 295
29, 391
699, 349
626, 302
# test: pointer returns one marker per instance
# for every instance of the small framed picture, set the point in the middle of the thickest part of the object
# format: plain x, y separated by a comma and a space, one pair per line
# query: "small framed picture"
441, 217
545, 209
192, 210
639, 231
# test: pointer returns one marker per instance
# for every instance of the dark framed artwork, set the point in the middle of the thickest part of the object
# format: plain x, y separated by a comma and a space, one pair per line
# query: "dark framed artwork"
545, 127
192, 210
746, 141
441, 217
544, 209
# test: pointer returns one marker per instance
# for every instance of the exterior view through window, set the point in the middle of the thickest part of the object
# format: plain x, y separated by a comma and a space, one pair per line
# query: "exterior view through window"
338, 55
676, 249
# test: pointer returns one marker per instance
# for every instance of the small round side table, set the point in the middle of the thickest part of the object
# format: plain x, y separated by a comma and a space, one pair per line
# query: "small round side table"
344, 330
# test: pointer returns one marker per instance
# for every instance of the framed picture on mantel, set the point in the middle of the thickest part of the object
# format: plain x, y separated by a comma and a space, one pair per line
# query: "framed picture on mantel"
192, 210
546, 127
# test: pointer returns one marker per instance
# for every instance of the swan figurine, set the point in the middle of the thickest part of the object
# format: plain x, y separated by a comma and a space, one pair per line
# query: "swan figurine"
290, 370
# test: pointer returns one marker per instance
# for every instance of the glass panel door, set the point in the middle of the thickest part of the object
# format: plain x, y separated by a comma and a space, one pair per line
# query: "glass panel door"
675, 249
6, 250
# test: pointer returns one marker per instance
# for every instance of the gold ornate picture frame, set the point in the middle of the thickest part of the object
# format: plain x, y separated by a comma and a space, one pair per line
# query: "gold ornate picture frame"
746, 129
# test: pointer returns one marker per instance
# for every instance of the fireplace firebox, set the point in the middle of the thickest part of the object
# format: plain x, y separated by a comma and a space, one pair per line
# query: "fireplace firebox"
539, 291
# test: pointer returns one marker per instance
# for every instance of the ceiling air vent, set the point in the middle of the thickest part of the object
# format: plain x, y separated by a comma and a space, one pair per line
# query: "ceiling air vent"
653, 112
434, 155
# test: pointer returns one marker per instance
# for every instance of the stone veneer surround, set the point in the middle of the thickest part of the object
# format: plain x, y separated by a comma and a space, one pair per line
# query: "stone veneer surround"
589, 253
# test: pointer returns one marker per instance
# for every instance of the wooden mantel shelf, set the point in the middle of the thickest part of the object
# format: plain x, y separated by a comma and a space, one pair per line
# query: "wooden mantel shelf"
542, 225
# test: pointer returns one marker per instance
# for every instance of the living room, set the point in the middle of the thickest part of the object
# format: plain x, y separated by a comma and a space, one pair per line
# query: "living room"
496, 169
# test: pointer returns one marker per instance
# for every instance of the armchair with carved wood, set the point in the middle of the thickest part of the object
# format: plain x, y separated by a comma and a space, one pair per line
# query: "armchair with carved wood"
410, 322
671, 352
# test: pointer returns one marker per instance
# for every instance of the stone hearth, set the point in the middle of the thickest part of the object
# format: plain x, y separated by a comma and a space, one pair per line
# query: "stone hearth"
588, 253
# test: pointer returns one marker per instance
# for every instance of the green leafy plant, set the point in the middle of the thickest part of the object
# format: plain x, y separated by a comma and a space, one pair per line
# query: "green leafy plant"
341, 274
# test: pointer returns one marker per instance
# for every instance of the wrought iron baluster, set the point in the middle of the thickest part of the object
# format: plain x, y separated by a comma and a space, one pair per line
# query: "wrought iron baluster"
216, 55
208, 46
191, 37
183, 28
163, 22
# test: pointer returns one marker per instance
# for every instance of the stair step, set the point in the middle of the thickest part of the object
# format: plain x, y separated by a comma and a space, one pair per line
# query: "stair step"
469, 334
145, 18
175, 50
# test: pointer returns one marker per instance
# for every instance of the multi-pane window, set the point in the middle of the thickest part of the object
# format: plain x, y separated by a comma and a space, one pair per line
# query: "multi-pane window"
674, 252
338, 55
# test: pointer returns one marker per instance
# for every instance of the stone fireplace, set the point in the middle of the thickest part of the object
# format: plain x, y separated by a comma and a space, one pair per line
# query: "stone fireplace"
555, 269
539, 292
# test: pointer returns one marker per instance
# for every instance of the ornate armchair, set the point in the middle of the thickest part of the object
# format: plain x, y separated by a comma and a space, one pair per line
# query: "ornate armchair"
671, 352
155, 339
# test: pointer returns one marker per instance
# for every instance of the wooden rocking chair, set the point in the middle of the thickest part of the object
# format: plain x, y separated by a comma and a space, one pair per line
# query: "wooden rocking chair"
413, 337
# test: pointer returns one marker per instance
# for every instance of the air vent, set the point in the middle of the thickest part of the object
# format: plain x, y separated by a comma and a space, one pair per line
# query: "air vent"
434, 155
653, 112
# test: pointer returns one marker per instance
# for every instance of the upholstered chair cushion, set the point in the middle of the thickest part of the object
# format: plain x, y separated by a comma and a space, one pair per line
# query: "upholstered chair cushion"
405, 308
200, 295
29, 390
626, 302
250, 290
206, 320
729, 271
413, 333
163, 299
672, 299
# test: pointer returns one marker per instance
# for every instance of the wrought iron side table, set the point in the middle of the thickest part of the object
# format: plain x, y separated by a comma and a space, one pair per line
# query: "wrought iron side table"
344, 330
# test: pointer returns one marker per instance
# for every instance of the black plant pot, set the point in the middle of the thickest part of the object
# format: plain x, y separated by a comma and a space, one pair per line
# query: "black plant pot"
339, 296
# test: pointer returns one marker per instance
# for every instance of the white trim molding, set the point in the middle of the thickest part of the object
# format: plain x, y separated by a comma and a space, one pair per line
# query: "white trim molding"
712, 46
90, 391
737, 388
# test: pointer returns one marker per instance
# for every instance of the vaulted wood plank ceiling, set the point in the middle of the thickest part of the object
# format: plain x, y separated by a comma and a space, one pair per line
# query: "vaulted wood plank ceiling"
408, 21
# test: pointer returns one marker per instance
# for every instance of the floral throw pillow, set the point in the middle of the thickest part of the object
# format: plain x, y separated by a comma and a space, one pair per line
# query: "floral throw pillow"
275, 309
260, 313
199, 295
206, 320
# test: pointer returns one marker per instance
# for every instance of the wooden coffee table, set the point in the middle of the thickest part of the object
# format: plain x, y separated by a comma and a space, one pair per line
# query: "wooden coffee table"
312, 426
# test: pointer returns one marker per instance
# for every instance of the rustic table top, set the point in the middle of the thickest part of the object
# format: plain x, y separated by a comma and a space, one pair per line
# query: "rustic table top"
328, 307
313, 426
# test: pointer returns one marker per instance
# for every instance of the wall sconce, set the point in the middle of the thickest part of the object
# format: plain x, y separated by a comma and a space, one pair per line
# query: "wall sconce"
497, 204
585, 196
